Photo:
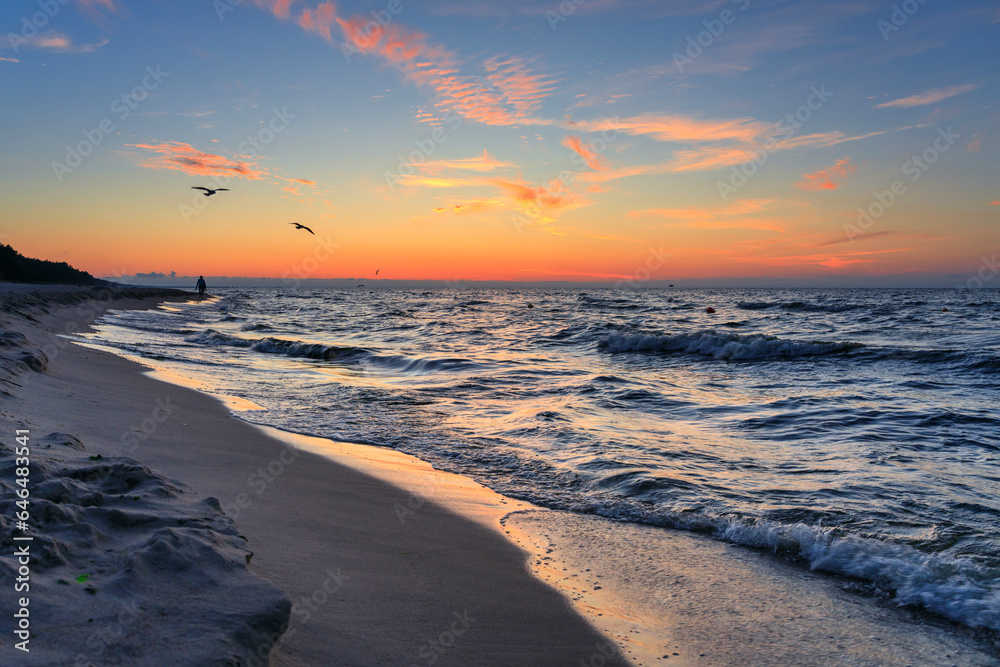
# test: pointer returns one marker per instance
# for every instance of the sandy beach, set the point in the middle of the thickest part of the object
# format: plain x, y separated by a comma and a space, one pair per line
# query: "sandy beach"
374, 574
294, 550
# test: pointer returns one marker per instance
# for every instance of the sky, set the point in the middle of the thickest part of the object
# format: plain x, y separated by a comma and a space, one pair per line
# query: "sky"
724, 142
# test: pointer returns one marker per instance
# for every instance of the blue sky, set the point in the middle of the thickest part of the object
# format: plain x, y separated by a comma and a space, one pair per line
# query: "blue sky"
522, 140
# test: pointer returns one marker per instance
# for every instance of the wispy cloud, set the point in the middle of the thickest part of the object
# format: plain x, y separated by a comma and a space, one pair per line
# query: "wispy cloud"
184, 157
61, 43
744, 214
854, 239
9, 60
474, 205
592, 159
830, 178
684, 129
280, 8
482, 163
95, 9
927, 97
837, 261
504, 92
728, 142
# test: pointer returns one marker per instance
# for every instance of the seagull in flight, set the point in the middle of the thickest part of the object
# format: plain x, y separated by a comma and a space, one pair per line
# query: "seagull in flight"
208, 192
376, 271
298, 226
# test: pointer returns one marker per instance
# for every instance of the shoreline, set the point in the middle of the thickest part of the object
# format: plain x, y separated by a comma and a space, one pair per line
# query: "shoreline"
579, 557
365, 587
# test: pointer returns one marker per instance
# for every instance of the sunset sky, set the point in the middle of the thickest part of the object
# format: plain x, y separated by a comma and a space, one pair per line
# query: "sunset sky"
520, 140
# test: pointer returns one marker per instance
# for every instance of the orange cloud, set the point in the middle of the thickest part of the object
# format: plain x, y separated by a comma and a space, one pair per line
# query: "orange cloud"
828, 179
420, 181
184, 157
592, 159
683, 129
743, 214
507, 95
303, 181
742, 207
548, 199
730, 142
483, 163
472, 206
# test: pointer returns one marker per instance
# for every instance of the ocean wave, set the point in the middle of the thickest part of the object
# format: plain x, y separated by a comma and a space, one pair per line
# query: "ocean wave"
804, 306
288, 348
728, 346
955, 588
255, 326
423, 365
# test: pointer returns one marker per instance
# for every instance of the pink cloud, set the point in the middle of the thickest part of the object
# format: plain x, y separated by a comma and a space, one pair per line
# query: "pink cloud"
318, 20
57, 41
280, 8
508, 94
927, 97
684, 129
830, 178
184, 157
521, 89
592, 159
93, 7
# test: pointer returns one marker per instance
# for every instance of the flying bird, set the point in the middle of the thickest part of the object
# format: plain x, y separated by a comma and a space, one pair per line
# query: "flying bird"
298, 226
209, 192
376, 271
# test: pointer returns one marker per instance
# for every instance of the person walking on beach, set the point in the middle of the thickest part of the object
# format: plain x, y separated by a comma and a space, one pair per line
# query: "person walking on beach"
201, 285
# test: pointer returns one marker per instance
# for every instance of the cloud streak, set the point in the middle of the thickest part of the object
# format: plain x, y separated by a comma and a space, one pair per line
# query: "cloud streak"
61, 43
184, 157
592, 159
507, 92
830, 178
927, 97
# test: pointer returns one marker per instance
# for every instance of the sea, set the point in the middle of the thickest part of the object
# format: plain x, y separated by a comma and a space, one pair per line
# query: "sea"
852, 431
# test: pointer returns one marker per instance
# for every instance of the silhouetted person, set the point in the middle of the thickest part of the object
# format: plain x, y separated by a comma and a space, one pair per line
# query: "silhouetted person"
201, 285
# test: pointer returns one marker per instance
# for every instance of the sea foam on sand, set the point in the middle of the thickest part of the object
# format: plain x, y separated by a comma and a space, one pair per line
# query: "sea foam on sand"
127, 567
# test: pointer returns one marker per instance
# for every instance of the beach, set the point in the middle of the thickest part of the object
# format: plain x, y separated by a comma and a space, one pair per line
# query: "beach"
315, 552
365, 585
